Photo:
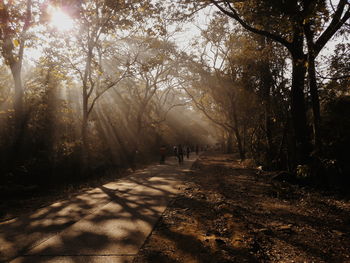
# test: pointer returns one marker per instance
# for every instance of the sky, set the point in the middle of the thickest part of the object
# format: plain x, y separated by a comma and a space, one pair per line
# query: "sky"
202, 19
190, 31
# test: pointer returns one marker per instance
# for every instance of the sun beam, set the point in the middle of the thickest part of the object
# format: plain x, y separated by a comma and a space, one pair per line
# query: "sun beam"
60, 20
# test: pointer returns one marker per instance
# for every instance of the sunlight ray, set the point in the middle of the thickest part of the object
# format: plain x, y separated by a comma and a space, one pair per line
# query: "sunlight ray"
60, 20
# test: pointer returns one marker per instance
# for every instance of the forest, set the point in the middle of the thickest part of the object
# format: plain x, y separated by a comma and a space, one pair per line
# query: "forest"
204, 131
95, 85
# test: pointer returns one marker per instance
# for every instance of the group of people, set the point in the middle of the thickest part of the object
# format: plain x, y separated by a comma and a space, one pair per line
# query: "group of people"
179, 151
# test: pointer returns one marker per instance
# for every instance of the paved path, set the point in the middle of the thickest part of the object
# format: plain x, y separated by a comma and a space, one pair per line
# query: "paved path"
106, 224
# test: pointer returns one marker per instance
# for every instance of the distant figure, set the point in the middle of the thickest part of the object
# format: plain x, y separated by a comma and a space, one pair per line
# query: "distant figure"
188, 150
175, 150
180, 153
162, 152
197, 149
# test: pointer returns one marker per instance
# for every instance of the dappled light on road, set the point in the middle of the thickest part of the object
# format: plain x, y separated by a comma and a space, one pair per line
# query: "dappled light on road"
111, 221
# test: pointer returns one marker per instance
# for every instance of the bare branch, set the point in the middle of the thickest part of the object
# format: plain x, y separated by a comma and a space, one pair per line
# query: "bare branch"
333, 27
224, 125
233, 14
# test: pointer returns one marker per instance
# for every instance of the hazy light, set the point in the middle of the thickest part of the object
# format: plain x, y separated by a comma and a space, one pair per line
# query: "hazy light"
60, 20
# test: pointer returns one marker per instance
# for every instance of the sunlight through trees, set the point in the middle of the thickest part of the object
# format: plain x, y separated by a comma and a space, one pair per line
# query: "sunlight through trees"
94, 85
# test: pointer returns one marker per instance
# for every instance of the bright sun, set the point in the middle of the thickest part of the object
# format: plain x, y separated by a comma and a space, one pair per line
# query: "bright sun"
60, 20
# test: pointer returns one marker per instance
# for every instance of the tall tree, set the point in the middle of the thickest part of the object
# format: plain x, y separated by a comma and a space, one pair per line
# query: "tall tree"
285, 22
87, 51
15, 21
154, 77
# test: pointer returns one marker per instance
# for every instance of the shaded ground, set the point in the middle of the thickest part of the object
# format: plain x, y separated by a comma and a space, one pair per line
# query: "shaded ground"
30, 198
230, 213
24, 195
106, 224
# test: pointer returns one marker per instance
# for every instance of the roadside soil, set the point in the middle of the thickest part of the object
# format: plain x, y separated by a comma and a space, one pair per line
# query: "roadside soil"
231, 212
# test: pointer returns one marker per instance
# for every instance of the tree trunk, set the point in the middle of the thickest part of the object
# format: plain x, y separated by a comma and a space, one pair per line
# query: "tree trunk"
266, 83
313, 85
48, 142
229, 143
20, 120
239, 144
19, 94
85, 144
266, 88
298, 110
15, 63
238, 136
137, 140
315, 101
235, 129
84, 126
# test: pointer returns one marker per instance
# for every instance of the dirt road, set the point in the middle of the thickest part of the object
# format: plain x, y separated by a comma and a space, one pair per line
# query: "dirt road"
230, 213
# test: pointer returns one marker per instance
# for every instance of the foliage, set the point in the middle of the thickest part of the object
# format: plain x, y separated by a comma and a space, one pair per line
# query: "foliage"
110, 90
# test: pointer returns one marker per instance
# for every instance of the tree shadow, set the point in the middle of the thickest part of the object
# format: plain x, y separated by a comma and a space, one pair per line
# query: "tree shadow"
107, 220
311, 230
190, 246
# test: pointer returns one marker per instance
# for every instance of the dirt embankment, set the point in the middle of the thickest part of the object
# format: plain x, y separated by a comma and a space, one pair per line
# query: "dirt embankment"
229, 213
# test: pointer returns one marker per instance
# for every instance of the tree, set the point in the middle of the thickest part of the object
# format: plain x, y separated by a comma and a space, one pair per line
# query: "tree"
87, 52
239, 65
15, 21
222, 101
287, 23
314, 46
43, 83
337, 76
154, 77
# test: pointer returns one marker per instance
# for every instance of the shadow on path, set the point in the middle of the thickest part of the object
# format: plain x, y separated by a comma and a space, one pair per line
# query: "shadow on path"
105, 224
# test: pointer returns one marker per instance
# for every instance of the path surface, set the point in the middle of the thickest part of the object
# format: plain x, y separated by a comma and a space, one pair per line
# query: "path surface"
106, 224
229, 212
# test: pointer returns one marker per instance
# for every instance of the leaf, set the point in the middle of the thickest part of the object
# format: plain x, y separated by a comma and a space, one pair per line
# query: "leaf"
16, 42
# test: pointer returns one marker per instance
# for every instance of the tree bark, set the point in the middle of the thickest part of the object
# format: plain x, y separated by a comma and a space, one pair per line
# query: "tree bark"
239, 144
238, 136
298, 110
18, 104
229, 143
315, 101
84, 126
266, 83
313, 85
19, 94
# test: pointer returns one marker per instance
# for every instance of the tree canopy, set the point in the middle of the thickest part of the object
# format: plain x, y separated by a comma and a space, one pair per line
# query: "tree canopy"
97, 83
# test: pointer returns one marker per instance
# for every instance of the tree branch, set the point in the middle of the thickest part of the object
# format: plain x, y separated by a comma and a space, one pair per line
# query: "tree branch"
233, 14
226, 126
333, 27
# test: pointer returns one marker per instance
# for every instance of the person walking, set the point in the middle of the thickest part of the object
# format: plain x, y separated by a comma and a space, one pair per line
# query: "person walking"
175, 150
162, 152
188, 151
180, 154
